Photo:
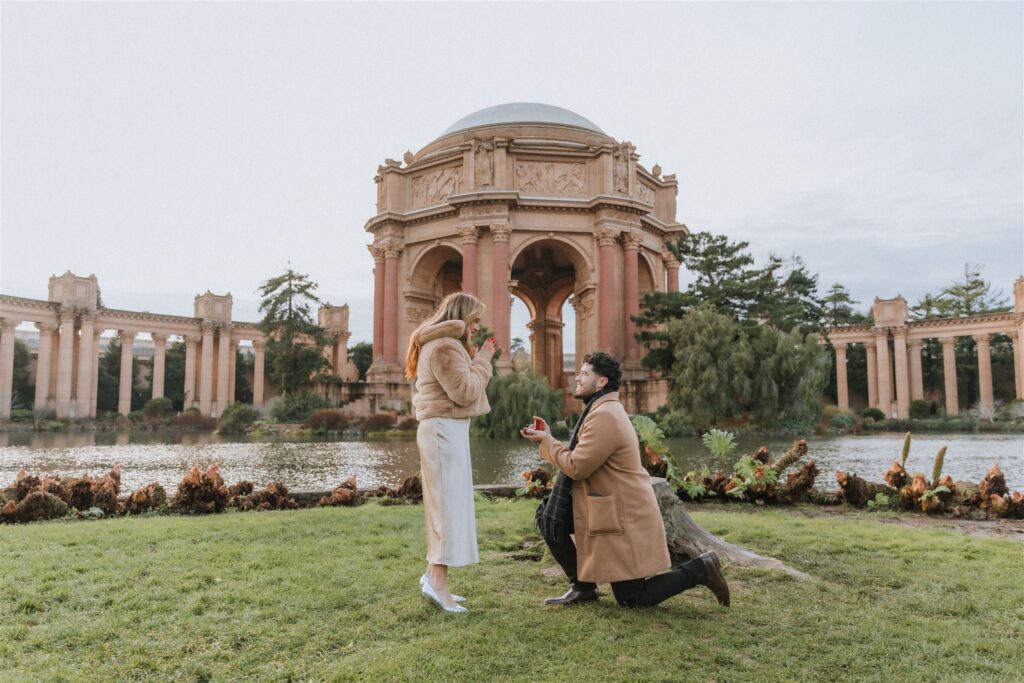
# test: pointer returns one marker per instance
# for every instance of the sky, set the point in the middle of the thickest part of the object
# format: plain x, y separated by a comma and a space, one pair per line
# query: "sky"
171, 148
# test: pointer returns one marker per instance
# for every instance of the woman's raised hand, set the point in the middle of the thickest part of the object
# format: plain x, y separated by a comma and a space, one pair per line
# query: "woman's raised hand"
488, 348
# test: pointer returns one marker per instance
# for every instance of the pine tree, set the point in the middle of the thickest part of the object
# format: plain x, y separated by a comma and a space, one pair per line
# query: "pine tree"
294, 340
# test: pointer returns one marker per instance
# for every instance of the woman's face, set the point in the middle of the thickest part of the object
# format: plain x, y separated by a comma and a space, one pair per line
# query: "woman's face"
474, 325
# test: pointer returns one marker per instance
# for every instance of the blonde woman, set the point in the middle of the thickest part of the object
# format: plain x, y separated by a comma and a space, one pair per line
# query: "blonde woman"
450, 380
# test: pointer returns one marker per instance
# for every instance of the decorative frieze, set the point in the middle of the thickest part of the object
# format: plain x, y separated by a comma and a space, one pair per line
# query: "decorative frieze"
546, 178
436, 186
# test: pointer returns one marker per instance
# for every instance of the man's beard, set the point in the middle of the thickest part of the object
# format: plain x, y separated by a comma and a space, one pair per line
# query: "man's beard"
583, 393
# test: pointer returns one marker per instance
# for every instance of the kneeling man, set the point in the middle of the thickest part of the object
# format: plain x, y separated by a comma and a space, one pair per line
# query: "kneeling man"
603, 496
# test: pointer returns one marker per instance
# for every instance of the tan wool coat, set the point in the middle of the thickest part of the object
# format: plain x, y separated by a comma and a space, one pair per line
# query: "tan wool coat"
619, 531
448, 382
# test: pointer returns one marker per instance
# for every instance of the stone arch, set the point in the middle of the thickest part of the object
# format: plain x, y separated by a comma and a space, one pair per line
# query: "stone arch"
432, 262
546, 271
647, 271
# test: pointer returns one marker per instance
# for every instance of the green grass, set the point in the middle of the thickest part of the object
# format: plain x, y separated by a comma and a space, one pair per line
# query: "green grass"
331, 594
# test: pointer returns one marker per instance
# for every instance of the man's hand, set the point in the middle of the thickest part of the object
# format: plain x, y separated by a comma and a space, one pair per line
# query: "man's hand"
536, 432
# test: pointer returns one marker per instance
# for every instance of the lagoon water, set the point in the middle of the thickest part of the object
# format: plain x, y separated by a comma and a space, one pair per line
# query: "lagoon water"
319, 464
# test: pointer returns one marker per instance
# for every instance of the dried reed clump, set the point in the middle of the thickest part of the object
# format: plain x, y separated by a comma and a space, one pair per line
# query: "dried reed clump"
347, 493
152, 496
34, 507
856, 491
273, 496
201, 493
799, 484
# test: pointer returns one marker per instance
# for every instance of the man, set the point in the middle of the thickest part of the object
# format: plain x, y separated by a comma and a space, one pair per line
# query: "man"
603, 495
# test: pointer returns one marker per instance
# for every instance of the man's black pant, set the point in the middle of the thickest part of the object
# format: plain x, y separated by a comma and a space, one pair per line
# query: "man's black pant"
633, 592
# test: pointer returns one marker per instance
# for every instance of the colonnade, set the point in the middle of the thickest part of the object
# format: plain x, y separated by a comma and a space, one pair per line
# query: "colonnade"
893, 346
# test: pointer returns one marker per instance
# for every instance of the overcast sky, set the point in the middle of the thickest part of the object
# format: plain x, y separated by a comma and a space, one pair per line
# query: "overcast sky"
179, 147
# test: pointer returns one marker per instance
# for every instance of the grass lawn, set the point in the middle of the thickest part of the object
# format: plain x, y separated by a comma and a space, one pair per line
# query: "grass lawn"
332, 594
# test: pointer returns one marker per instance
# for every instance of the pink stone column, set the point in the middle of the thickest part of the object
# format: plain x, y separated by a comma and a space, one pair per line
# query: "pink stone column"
672, 268
6, 366
95, 393
949, 375
83, 385
159, 363
231, 372
1018, 361
206, 372
916, 372
378, 302
65, 363
223, 370
189, 390
606, 294
44, 361
501, 300
869, 348
124, 386
468, 238
392, 250
884, 373
902, 374
631, 292
987, 403
842, 385
259, 347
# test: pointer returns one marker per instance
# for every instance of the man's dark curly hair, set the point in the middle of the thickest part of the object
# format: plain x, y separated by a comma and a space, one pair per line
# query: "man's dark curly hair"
606, 365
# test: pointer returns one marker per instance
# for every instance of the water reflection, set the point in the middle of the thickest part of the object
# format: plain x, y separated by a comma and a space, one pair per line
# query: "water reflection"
323, 463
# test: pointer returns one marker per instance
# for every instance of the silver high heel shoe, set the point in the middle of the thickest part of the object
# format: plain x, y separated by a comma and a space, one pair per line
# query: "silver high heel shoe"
455, 598
427, 591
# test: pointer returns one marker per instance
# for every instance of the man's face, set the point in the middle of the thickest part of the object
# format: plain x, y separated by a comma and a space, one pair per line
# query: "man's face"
588, 382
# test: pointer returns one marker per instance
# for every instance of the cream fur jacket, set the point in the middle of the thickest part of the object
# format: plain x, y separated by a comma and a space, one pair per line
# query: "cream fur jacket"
448, 382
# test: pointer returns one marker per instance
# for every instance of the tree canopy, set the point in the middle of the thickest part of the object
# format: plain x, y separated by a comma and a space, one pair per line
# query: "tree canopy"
295, 341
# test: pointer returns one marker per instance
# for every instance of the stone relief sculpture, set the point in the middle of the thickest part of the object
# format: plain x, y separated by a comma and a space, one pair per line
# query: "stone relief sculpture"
382, 193
484, 162
645, 193
551, 178
431, 188
621, 167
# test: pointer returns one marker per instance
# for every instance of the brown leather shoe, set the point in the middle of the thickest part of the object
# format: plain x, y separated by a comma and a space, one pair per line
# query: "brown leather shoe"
572, 597
715, 581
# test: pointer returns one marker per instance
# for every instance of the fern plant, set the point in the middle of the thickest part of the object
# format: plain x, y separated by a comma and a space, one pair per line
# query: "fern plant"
721, 443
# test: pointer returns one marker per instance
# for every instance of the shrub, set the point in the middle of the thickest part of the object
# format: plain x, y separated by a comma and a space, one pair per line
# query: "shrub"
514, 400
872, 412
235, 418
201, 492
191, 419
273, 497
22, 415
327, 420
842, 421
675, 423
920, 409
378, 422
408, 424
158, 407
296, 407
347, 493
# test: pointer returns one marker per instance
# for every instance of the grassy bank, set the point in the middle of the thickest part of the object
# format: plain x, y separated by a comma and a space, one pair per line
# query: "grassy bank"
332, 594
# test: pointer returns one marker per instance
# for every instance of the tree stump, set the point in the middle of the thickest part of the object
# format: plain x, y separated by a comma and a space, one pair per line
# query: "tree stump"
686, 539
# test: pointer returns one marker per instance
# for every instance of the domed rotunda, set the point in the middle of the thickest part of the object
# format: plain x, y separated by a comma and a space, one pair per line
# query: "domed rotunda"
528, 200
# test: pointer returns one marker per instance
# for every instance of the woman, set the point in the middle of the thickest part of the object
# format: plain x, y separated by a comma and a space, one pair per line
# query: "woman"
450, 380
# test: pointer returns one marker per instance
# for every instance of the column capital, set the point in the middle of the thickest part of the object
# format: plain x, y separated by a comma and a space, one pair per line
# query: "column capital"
8, 325
467, 234
915, 343
47, 327
391, 247
259, 344
606, 237
158, 338
899, 332
669, 259
500, 232
126, 336
631, 241
377, 252
982, 338
207, 327
67, 315
192, 338
840, 346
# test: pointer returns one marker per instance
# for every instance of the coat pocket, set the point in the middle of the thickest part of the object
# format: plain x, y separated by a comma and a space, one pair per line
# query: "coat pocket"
603, 515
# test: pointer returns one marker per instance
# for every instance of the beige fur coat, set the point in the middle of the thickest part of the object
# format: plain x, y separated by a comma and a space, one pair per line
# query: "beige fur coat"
448, 382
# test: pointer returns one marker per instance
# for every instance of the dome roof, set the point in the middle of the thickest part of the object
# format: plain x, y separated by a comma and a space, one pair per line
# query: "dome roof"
522, 112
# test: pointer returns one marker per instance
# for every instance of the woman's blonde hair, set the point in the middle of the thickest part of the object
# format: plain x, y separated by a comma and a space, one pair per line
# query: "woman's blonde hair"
457, 306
